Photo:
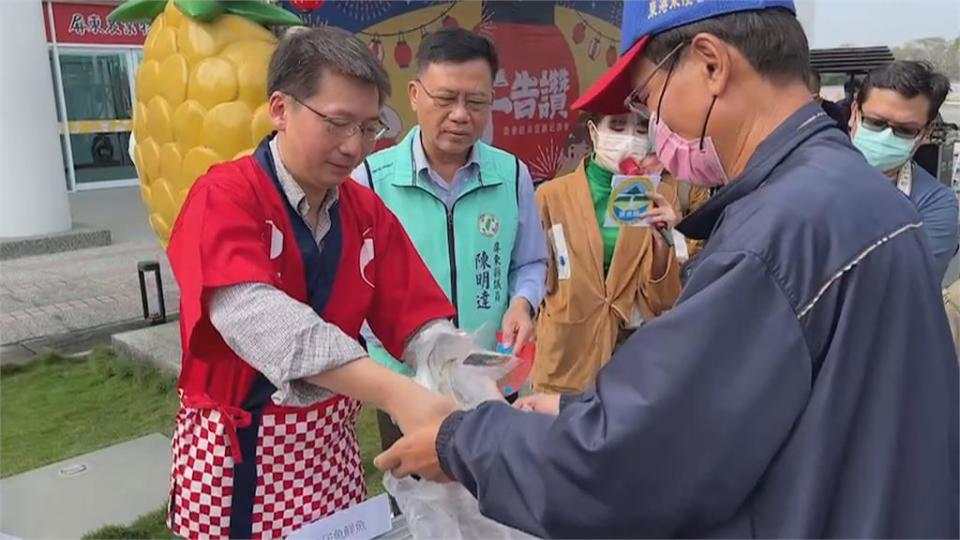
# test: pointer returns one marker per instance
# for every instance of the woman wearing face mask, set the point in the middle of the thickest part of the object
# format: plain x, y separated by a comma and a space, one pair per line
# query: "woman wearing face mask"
603, 280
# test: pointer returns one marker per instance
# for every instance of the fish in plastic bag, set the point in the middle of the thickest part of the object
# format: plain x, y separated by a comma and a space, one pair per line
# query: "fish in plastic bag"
447, 360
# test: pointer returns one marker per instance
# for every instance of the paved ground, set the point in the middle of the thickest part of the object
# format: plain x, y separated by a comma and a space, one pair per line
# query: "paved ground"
78, 290
90, 291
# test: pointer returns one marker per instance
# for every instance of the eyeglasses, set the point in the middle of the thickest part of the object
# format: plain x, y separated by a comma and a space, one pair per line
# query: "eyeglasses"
879, 124
344, 129
635, 99
444, 101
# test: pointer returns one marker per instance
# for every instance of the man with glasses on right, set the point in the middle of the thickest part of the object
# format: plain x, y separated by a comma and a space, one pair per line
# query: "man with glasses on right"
890, 119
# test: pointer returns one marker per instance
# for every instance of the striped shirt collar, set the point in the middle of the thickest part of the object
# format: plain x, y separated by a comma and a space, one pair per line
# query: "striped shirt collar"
293, 191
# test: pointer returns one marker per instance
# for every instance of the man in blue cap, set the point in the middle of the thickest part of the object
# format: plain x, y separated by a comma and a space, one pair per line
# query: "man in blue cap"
805, 384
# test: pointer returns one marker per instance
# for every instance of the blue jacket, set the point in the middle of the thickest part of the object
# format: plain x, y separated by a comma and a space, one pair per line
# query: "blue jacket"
805, 385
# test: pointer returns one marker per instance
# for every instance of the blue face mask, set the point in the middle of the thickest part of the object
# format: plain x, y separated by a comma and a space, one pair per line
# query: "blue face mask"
883, 149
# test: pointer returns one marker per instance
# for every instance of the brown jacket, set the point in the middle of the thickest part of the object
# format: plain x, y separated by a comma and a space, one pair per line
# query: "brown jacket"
584, 312
691, 198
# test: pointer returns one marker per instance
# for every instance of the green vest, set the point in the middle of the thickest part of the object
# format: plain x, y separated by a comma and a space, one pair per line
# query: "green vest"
468, 248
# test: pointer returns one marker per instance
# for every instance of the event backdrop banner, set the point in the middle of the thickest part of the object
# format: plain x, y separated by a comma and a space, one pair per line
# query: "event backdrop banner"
549, 52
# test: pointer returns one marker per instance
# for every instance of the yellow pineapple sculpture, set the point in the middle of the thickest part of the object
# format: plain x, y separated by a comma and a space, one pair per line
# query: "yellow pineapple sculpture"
201, 95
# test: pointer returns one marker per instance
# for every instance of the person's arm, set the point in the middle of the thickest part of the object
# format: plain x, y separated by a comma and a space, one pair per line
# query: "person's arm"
282, 338
409, 404
527, 276
684, 420
941, 225
309, 359
528, 261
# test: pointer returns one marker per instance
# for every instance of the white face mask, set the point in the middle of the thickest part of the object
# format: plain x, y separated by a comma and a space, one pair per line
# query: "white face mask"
611, 148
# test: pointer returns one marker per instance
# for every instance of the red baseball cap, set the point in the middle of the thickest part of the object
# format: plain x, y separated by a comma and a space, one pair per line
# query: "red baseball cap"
639, 21
607, 95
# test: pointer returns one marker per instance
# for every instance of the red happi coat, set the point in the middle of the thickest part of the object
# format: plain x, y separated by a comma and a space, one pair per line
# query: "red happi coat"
243, 466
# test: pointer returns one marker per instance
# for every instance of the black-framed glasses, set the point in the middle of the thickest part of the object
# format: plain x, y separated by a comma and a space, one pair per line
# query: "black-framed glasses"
473, 103
879, 124
344, 129
636, 97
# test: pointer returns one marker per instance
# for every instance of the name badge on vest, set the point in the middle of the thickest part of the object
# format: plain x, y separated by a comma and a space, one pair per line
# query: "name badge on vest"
560, 251
680, 246
629, 203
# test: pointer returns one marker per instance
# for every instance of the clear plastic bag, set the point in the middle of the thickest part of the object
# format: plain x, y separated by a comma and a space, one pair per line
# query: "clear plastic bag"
448, 360
444, 511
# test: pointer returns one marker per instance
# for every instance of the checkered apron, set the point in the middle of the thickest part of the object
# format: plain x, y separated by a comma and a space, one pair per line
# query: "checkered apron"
303, 464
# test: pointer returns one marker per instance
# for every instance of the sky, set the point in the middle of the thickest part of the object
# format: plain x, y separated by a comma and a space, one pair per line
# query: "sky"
881, 22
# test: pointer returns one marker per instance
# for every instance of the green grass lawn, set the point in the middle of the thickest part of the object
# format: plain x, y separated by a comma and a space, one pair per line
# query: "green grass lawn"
56, 408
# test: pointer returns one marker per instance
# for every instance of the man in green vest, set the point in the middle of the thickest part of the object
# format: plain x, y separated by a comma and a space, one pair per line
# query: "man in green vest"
468, 207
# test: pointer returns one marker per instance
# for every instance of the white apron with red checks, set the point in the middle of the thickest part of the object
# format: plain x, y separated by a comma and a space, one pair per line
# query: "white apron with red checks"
307, 467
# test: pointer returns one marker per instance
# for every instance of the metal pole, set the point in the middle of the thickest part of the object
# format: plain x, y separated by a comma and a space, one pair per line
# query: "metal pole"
143, 294
61, 97
163, 307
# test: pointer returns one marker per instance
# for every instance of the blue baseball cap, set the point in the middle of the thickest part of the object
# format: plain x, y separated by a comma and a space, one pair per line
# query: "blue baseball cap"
643, 19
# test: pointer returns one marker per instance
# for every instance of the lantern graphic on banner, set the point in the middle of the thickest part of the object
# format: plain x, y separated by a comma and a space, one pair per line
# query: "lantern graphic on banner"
403, 54
594, 50
611, 55
376, 47
306, 6
579, 32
